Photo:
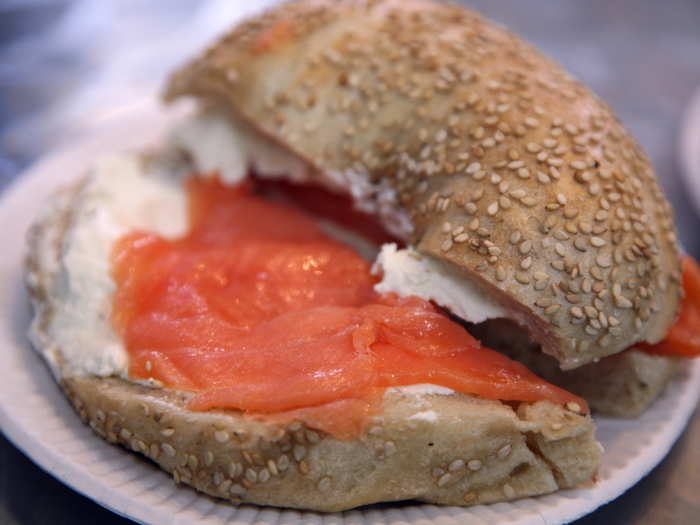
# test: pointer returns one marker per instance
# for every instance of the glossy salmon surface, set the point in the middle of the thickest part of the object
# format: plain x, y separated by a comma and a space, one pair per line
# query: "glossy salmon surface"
257, 309
683, 340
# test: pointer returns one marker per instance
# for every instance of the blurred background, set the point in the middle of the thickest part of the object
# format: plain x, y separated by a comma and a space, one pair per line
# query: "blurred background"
69, 67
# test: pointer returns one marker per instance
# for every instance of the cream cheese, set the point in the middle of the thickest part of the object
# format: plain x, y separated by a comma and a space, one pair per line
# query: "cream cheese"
119, 196
422, 389
220, 143
406, 272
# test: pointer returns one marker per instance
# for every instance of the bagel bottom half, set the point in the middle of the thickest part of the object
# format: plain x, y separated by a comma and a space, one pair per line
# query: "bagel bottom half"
428, 444
451, 449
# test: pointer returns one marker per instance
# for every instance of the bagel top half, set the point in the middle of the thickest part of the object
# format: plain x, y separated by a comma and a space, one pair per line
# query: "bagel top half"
503, 165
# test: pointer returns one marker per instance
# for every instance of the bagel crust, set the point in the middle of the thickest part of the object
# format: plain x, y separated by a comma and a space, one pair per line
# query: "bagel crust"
431, 445
509, 169
448, 449
622, 385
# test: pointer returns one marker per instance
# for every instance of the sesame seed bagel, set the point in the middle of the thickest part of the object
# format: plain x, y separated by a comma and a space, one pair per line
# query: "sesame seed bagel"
432, 446
507, 168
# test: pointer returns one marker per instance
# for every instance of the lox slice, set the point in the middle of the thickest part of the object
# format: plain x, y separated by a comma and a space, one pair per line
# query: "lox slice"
257, 309
683, 339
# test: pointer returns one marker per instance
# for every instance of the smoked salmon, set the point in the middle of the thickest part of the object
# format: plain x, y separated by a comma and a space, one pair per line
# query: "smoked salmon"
683, 340
257, 309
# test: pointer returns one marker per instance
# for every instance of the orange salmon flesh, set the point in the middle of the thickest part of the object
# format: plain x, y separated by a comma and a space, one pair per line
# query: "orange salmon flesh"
683, 340
256, 309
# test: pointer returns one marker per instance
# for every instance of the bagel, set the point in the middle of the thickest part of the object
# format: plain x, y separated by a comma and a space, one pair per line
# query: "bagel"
516, 192
498, 162
427, 443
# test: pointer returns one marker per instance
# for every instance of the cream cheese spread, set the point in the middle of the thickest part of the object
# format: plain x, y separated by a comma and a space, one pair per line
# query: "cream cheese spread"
119, 196
406, 272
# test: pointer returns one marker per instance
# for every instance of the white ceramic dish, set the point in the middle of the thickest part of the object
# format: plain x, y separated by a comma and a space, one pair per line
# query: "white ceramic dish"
690, 149
36, 417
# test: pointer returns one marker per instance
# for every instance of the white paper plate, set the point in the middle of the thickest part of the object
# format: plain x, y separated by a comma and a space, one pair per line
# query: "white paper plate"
36, 417
690, 149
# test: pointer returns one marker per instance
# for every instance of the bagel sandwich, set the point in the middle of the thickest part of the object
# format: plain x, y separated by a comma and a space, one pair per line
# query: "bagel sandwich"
420, 441
497, 178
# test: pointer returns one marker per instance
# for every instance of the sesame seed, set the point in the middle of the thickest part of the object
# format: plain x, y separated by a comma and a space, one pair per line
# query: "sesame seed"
574, 407
457, 464
580, 244
168, 449
597, 242
444, 479
251, 475
167, 432
474, 464
235, 469
524, 173
225, 485
543, 178
217, 478
603, 260
522, 278
473, 168
500, 273
623, 302
552, 309
508, 491
504, 451
299, 452
221, 436
237, 490
324, 484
